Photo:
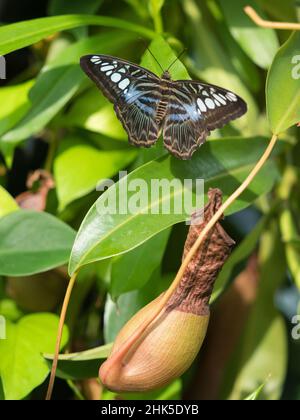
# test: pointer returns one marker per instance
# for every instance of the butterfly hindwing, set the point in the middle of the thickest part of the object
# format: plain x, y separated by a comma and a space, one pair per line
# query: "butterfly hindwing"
133, 90
194, 109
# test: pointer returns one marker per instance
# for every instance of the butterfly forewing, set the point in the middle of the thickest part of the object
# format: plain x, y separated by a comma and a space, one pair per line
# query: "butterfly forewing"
134, 91
186, 110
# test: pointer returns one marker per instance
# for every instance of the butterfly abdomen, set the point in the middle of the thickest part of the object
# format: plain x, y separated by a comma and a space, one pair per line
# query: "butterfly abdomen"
161, 111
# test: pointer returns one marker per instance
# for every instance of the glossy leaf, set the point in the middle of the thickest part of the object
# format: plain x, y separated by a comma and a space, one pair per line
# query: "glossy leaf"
21, 34
32, 242
221, 163
134, 269
80, 365
7, 203
22, 367
283, 86
78, 157
259, 44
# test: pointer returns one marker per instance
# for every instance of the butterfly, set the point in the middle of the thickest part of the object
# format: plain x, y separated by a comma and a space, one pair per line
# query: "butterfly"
185, 111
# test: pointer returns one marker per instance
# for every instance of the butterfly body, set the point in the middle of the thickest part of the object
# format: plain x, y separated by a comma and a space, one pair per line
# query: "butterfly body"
185, 111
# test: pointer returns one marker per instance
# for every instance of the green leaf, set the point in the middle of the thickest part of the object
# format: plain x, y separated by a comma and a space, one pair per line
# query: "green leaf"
21, 34
261, 355
80, 365
62, 7
64, 82
22, 366
221, 163
93, 112
173, 391
260, 44
65, 77
255, 395
164, 54
283, 86
32, 242
72, 159
7, 203
134, 269
16, 102
289, 233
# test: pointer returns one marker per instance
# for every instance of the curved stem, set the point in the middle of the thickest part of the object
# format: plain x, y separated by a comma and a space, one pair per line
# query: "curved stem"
59, 334
137, 333
269, 24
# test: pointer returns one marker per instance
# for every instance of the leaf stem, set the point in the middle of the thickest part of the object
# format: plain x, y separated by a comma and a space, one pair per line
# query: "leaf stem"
120, 354
270, 24
59, 334
51, 152
158, 25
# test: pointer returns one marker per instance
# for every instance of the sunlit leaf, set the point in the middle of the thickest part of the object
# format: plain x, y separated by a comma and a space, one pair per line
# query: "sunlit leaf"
259, 44
21, 34
22, 366
283, 86
7, 203
78, 157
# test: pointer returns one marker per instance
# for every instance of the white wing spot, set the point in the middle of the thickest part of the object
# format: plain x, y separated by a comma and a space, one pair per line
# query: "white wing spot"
95, 59
122, 70
201, 105
205, 93
231, 96
106, 68
220, 99
124, 83
115, 77
109, 72
209, 103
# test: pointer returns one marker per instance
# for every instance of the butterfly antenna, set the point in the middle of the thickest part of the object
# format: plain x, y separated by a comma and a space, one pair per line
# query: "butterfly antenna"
155, 58
177, 58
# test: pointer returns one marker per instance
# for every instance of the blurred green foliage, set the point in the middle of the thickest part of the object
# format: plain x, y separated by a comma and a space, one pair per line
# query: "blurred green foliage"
130, 260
